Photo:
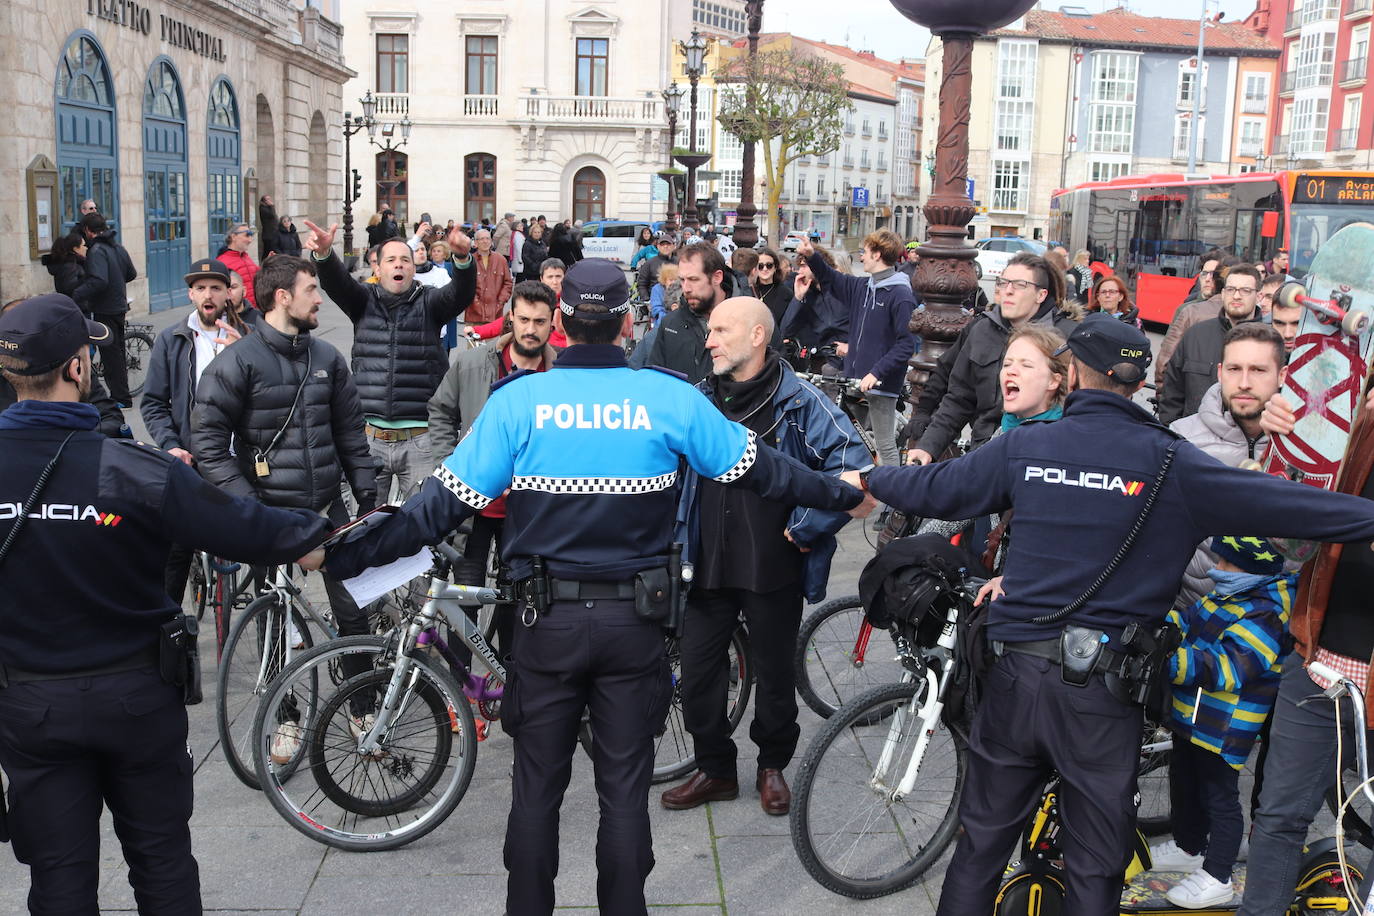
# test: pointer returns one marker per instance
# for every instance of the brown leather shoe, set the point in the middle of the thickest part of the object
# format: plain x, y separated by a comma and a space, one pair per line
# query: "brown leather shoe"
698, 790
774, 796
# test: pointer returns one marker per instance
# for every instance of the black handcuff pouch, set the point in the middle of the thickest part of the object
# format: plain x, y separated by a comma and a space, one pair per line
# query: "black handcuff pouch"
178, 655
654, 595
1079, 650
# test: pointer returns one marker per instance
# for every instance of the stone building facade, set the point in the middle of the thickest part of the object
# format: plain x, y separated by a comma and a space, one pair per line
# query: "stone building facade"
173, 115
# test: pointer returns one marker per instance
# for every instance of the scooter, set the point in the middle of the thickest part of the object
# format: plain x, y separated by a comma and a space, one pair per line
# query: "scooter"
1035, 885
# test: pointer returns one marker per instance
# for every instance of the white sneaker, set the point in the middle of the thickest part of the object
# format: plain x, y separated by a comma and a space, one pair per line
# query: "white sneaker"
361, 725
1167, 856
1200, 890
286, 743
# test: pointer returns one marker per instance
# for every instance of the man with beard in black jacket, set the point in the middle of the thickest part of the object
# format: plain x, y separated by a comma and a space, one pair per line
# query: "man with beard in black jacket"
680, 340
398, 354
287, 402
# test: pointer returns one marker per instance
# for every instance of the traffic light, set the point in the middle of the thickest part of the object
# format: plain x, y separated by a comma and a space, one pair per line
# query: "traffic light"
357, 185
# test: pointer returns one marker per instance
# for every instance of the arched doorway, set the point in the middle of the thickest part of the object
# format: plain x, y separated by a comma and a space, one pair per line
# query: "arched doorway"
479, 188
318, 201
86, 136
392, 170
589, 194
266, 164
222, 162
165, 197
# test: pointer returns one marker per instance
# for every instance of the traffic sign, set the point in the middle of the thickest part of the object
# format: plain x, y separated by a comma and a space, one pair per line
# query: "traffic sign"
860, 198
970, 187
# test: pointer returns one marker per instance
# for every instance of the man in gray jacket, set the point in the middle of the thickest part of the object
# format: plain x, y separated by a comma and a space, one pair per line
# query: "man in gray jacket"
1227, 424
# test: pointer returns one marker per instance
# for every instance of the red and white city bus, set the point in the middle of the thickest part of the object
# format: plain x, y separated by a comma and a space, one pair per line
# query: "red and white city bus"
1152, 230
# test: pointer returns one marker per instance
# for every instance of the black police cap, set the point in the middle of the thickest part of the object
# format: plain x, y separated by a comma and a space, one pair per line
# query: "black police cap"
1110, 346
595, 281
46, 331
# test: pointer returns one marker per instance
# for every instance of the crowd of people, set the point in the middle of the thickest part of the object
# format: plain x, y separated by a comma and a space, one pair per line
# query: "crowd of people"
468, 341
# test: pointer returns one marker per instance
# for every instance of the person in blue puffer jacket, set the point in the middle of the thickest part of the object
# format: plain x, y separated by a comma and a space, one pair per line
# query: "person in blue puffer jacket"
753, 554
880, 340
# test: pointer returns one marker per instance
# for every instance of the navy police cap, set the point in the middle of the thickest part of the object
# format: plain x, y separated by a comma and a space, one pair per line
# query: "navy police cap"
1110, 346
595, 281
45, 331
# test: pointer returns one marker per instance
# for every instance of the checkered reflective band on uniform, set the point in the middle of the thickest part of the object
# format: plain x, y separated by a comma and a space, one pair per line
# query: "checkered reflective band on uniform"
461, 490
594, 484
746, 461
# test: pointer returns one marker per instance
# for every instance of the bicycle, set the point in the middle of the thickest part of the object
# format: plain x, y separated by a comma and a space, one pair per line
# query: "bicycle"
876, 796
272, 631
216, 583
138, 348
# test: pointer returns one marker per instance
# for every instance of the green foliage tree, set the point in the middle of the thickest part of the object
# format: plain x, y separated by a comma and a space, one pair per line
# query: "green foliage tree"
790, 104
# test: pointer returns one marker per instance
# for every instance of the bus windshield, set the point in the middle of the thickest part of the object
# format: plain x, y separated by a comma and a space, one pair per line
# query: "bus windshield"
1312, 225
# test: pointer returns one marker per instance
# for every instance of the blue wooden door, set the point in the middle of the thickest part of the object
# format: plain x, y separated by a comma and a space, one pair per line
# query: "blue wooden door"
222, 160
165, 200
86, 131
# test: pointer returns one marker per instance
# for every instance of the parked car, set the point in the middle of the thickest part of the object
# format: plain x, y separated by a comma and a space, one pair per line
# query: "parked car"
792, 241
612, 239
994, 253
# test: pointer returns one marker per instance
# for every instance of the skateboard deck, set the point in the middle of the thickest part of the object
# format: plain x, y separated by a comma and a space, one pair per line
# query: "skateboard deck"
1329, 363
1145, 893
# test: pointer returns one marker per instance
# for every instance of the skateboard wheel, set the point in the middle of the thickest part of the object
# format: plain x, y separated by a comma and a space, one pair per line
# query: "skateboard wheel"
1355, 323
1289, 293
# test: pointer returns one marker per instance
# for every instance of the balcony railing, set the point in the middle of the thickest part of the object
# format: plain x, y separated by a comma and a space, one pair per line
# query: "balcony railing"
849, 130
882, 132
592, 109
1281, 145
1345, 139
1254, 106
392, 105
1357, 8
481, 106
1287, 82
1250, 148
864, 165
1353, 71
803, 196
849, 162
882, 164
824, 161
866, 132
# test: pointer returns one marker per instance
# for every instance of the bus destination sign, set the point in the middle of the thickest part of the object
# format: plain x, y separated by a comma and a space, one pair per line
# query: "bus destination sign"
1331, 189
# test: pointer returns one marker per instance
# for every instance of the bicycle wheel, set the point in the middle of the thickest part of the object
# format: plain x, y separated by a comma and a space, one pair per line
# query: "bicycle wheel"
198, 584
260, 645
1153, 815
851, 831
138, 347
674, 756
385, 798
839, 656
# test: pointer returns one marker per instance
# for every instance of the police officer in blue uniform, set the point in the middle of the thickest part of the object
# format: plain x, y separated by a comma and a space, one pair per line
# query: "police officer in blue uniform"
589, 451
86, 718
1054, 697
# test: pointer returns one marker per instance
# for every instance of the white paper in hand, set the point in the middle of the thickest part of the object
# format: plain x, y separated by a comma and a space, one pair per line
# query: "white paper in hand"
371, 584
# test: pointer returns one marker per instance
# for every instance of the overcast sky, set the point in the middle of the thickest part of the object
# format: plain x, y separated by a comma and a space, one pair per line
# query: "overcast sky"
874, 25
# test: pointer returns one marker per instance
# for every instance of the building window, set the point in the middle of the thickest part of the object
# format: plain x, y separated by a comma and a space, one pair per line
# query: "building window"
730, 183
1187, 80
1251, 141
1359, 43
1256, 98
1114, 76
1307, 136
1014, 126
593, 62
820, 186
863, 158
1316, 59
222, 160
882, 160
1111, 117
479, 186
1113, 129
1016, 69
85, 110
1350, 121
1009, 179
1106, 171
589, 194
1183, 136
481, 65
393, 63
730, 146
801, 186
878, 191
1319, 10
392, 174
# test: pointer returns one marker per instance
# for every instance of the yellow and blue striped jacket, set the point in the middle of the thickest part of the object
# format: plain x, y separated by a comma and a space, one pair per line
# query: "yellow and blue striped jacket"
1226, 671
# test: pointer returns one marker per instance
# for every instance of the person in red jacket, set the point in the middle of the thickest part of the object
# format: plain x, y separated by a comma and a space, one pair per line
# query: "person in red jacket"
235, 257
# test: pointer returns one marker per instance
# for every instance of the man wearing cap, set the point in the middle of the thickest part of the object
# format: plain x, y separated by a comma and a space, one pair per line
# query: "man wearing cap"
180, 355
1074, 580
589, 451
649, 267
86, 720
398, 354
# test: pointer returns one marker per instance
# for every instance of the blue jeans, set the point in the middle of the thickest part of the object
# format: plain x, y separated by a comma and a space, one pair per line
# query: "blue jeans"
1298, 769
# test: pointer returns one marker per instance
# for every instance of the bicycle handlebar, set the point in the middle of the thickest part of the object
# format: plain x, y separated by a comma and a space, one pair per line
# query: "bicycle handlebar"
448, 553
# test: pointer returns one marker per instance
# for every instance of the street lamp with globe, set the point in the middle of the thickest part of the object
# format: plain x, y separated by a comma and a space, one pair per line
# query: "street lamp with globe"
672, 101
694, 49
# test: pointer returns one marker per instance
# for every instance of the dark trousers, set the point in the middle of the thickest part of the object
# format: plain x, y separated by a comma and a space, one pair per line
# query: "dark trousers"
1204, 796
712, 616
113, 362
73, 745
1029, 724
178, 570
600, 657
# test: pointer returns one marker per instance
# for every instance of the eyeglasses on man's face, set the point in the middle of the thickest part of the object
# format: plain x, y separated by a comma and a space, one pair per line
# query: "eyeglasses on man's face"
248, 232
1238, 290
1019, 285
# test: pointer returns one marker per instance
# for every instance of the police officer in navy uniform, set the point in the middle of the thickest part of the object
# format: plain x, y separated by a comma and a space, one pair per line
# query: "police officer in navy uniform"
86, 719
1053, 699
590, 452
